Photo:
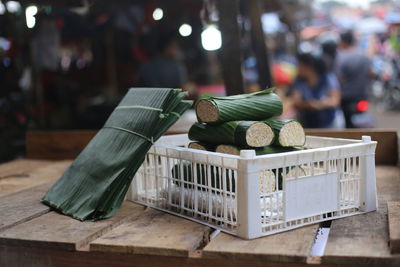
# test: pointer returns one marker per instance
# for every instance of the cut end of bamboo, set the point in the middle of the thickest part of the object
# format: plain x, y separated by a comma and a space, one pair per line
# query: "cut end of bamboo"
206, 111
292, 134
259, 134
266, 178
228, 149
266, 181
196, 145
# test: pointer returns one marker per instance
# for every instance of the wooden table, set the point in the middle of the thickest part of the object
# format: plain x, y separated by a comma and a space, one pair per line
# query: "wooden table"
32, 235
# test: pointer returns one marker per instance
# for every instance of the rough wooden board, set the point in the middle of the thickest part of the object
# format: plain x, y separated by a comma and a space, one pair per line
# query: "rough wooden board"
56, 145
290, 246
30, 256
45, 174
154, 233
60, 145
54, 230
386, 150
364, 239
394, 225
20, 167
22, 206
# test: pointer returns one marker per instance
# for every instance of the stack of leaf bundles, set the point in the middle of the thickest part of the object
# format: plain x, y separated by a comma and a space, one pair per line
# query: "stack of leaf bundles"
244, 122
95, 184
233, 123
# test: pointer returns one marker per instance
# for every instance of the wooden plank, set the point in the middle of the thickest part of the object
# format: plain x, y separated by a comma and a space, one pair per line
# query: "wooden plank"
53, 230
290, 246
22, 206
61, 145
12, 256
394, 225
17, 204
68, 144
20, 167
386, 150
231, 53
363, 239
56, 145
154, 233
48, 173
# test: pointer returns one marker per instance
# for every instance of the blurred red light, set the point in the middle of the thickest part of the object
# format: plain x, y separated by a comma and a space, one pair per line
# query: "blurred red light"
362, 106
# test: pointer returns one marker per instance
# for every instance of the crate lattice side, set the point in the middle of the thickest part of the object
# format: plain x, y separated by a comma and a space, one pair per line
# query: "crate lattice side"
251, 196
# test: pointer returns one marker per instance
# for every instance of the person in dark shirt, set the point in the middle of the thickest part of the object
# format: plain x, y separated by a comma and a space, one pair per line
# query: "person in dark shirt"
329, 52
316, 94
353, 71
165, 69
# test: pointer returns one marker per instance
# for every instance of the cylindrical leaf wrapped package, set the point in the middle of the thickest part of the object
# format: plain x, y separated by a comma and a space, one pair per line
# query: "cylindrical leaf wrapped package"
201, 146
244, 133
256, 106
235, 150
287, 132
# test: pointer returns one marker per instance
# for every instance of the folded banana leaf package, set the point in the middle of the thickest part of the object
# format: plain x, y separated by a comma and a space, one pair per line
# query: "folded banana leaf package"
95, 184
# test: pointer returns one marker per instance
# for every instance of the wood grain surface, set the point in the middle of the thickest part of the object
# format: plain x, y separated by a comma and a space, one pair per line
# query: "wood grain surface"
364, 239
20, 167
53, 230
386, 151
22, 206
154, 233
290, 246
33, 256
56, 145
25, 178
24, 182
394, 225
146, 237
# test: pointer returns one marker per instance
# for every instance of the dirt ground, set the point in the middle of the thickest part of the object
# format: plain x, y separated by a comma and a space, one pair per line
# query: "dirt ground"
386, 119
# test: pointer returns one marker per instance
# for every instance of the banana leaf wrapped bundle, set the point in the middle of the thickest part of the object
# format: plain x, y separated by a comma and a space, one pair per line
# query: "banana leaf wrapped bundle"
255, 106
235, 150
288, 133
201, 146
95, 184
245, 133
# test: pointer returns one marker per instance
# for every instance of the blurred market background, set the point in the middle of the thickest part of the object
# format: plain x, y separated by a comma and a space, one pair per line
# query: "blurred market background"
65, 64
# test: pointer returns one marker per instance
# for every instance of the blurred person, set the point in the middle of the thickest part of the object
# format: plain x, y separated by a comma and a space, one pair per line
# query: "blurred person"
316, 94
165, 69
353, 71
329, 52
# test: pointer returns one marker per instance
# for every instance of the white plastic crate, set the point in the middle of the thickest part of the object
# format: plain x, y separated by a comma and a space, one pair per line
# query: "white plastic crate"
252, 196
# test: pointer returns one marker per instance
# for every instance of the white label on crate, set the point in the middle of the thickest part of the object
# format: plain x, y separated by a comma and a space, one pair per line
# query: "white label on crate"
311, 196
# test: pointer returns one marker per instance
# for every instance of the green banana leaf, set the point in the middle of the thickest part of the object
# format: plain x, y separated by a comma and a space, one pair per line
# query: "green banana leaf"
95, 184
